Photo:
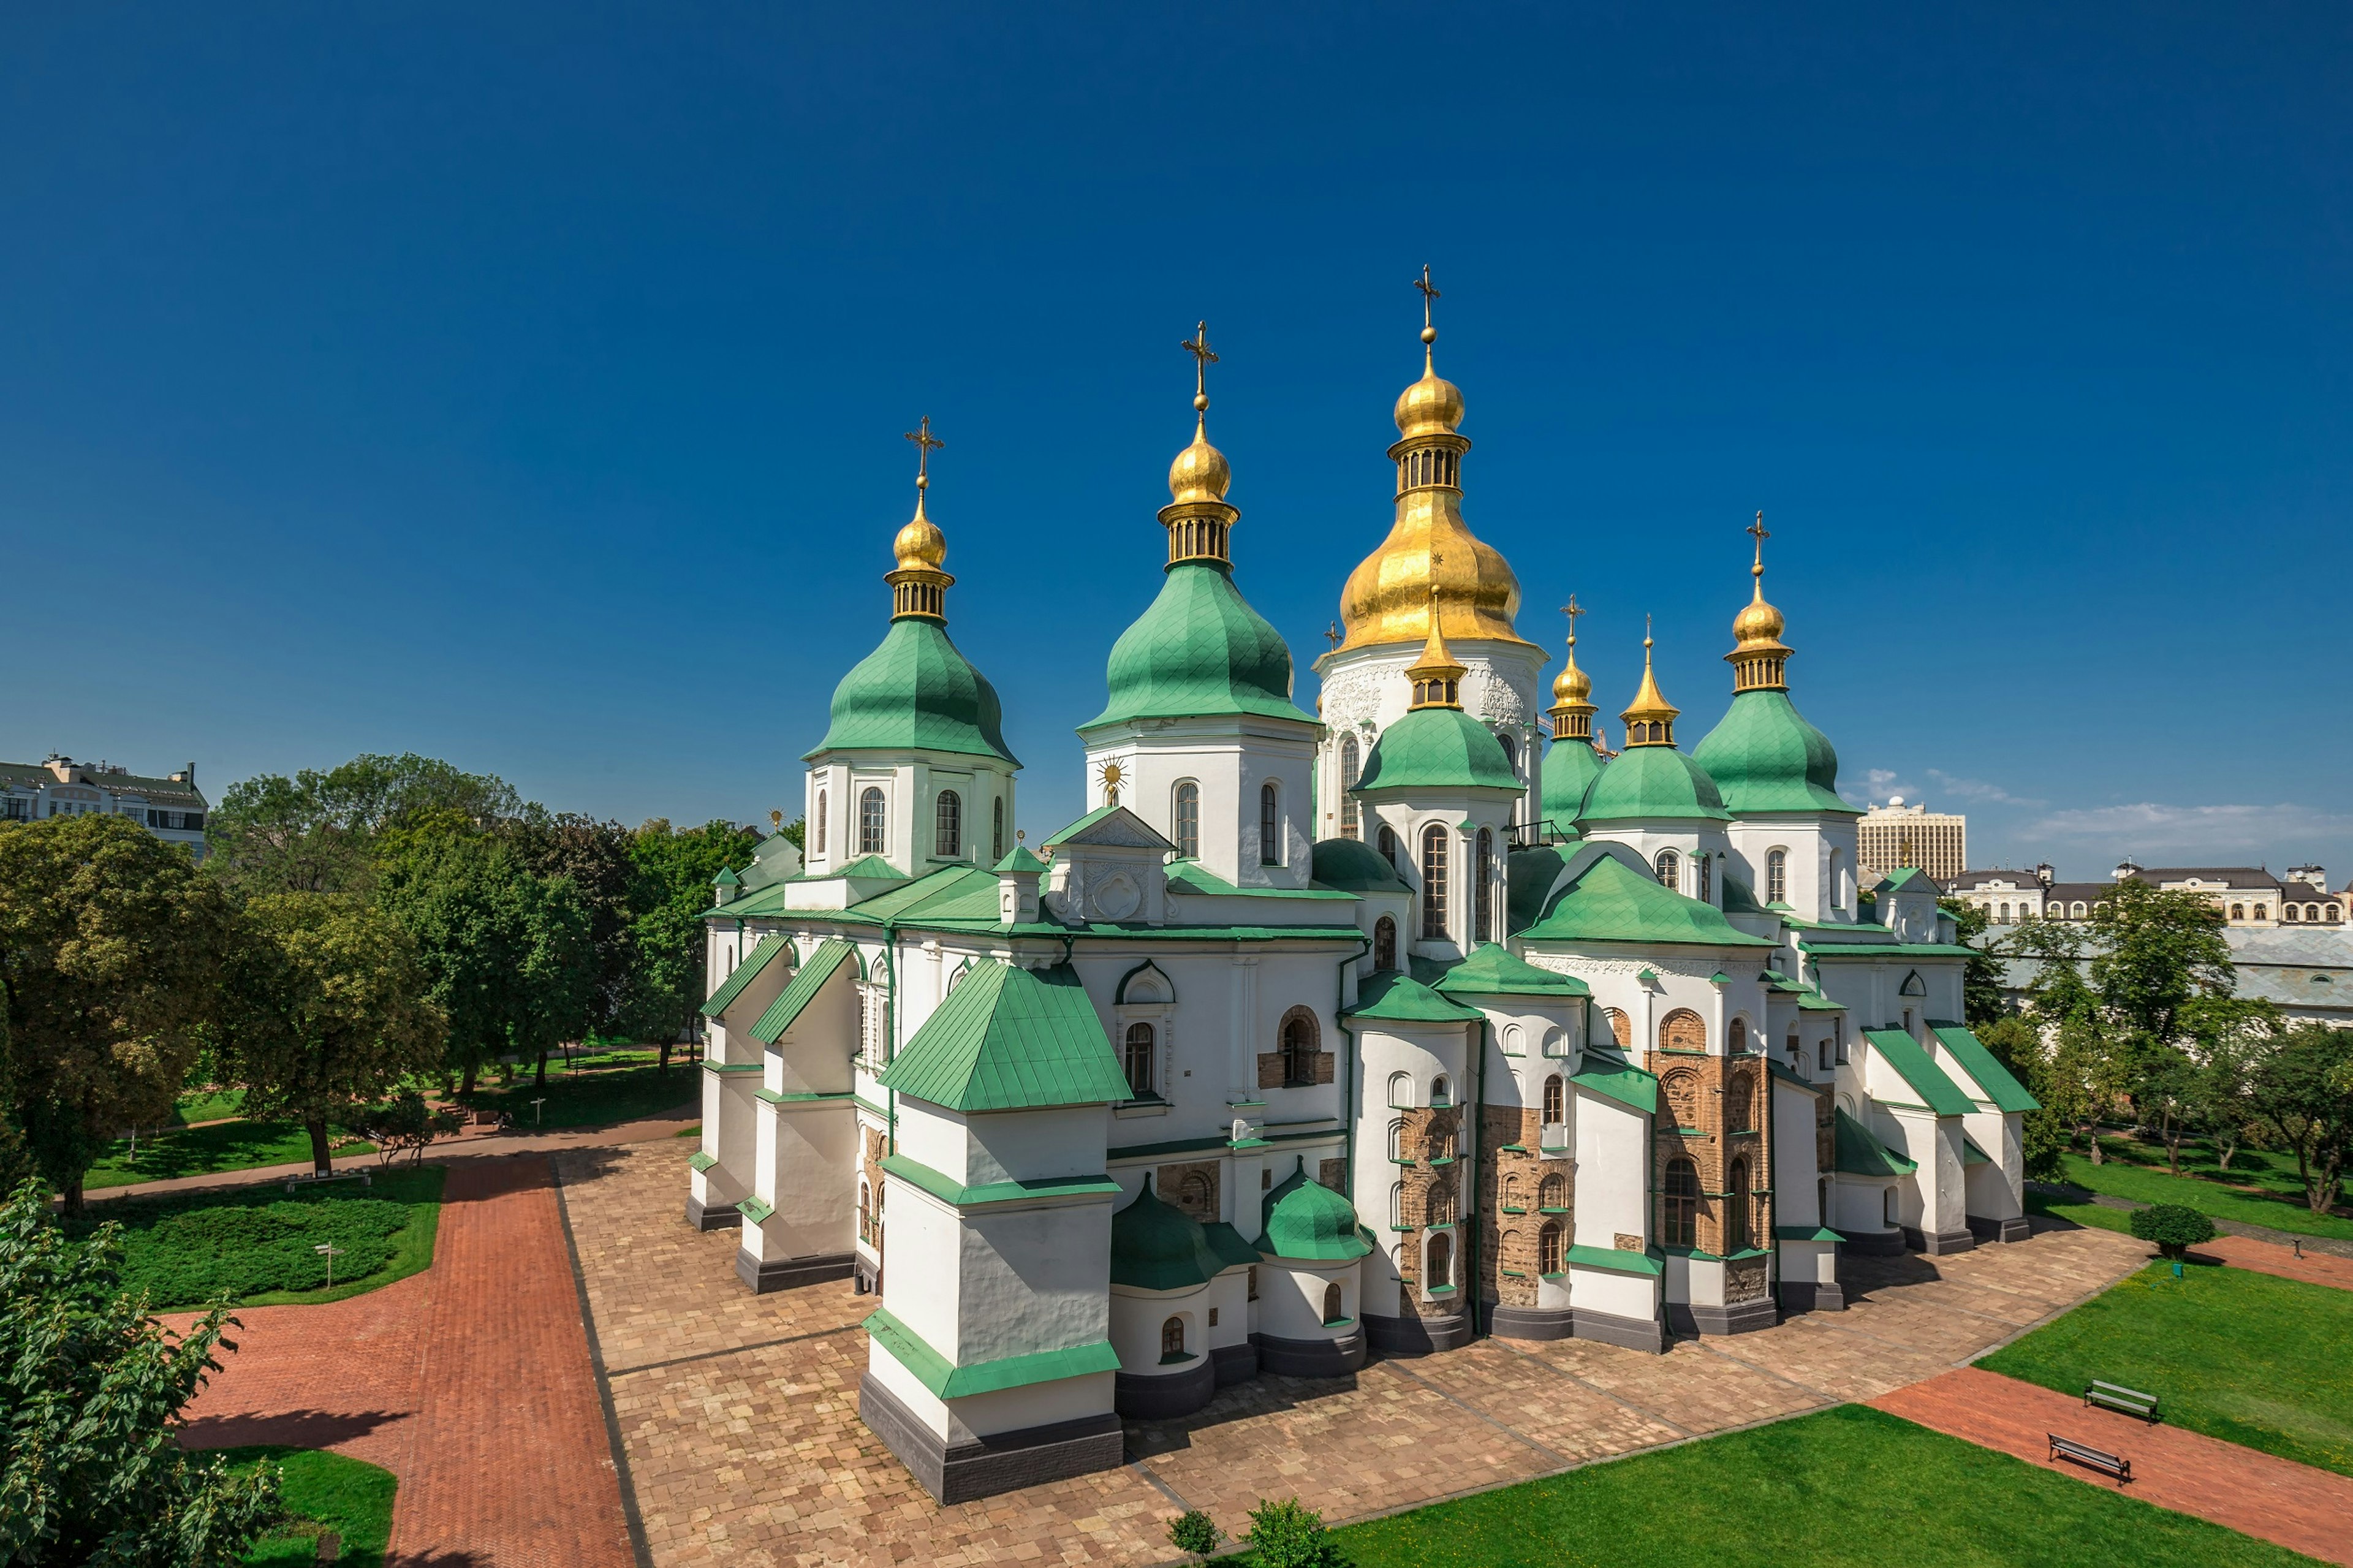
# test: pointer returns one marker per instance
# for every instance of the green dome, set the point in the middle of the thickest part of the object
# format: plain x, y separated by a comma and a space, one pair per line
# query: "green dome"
1764, 757
1156, 1245
1353, 866
915, 692
1569, 770
1199, 650
1652, 781
1307, 1220
1436, 748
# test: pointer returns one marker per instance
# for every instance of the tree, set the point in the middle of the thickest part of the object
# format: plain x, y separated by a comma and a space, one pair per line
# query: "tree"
2173, 1229
315, 832
557, 985
92, 1401
1195, 1533
1981, 1000
1285, 1534
674, 873
595, 858
324, 1008
2303, 1089
110, 951
2017, 1043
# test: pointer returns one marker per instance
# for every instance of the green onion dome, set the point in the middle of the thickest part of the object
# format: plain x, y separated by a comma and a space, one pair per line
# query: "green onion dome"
916, 693
1353, 866
1569, 770
1436, 748
1308, 1220
1764, 757
1199, 650
1652, 781
1156, 1245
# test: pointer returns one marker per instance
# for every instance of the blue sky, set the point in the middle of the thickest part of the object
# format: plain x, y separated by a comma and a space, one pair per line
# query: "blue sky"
523, 384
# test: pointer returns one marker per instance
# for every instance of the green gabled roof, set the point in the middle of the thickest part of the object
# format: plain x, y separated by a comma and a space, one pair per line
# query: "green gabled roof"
1354, 865
1569, 769
1883, 949
1010, 1039
1492, 969
915, 692
1812, 1001
1436, 748
1611, 901
1764, 757
1191, 876
1199, 650
1789, 1075
1621, 1081
1395, 995
1971, 1155
763, 954
865, 867
1650, 782
1614, 1258
1020, 860
1999, 1084
1906, 877
1228, 1244
1929, 1081
1861, 1154
1306, 1219
802, 989
1081, 824
913, 890
971, 896
1528, 876
726, 879
1156, 1245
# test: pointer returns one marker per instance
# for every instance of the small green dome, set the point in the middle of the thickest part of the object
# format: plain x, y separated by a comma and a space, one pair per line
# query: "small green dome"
1156, 1245
915, 692
1307, 1220
1569, 770
1353, 866
1436, 748
1652, 781
1764, 757
1199, 650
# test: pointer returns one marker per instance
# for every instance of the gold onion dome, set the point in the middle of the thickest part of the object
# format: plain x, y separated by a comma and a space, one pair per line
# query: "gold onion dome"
1650, 718
918, 588
1432, 406
1572, 686
1759, 659
1200, 472
921, 546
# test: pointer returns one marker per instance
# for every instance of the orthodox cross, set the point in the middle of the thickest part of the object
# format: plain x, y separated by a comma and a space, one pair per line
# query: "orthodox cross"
1332, 634
1427, 293
925, 445
1572, 610
1198, 345
1760, 531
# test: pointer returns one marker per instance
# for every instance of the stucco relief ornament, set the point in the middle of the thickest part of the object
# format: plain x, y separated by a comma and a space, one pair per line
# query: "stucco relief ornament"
1352, 698
1486, 695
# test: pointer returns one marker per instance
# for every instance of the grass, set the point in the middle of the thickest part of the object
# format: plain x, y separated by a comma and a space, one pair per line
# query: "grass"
1849, 1488
2249, 1358
2128, 1181
404, 1250
202, 1151
594, 1097
208, 1105
2117, 1220
322, 1491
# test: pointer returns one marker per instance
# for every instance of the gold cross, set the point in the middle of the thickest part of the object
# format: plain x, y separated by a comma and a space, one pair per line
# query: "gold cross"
925, 445
1198, 345
1572, 610
1332, 634
1427, 293
1759, 529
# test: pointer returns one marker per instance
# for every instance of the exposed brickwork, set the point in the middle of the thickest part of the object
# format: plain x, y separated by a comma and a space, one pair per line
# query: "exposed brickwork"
1715, 1114
1516, 1185
1191, 1186
1270, 1070
1332, 1174
870, 1220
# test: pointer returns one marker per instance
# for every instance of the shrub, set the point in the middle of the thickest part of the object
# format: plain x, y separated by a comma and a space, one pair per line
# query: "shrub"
1286, 1535
2173, 1227
1196, 1532
244, 1250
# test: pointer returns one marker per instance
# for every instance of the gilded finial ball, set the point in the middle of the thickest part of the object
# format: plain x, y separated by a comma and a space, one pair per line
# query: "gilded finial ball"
1200, 403
1430, 334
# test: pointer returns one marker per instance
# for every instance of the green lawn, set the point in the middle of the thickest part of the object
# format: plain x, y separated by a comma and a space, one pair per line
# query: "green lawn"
2127, 1181
2246, 1357
1849, 1488
593, 1099
201, 1150
2117, 1220
208, 1105
322, 1491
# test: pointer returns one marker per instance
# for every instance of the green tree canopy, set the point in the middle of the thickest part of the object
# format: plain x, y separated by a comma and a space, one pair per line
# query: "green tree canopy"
314, 833
674, 872
2303, 1089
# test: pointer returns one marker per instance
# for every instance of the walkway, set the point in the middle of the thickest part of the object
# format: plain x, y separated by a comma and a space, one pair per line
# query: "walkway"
2264, 1258
470, 1382
2295, 1506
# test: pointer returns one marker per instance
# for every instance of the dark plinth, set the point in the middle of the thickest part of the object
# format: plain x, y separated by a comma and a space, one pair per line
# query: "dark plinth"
1530, 1322
1139, 1397
1417, 1336
1938, 1242
1872, 1243
1742, 1318
1235, 1363
1808, 1296
785, 1273
1000, 1463
2014, 1228
1310, 1358
1633, 1333
711, 1217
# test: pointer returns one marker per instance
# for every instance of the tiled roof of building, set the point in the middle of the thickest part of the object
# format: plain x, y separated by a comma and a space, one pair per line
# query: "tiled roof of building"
1010, 1039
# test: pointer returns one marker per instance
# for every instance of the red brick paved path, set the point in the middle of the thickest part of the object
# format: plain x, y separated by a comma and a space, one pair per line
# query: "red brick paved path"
2270, 1258
470, 1382
2291, 1505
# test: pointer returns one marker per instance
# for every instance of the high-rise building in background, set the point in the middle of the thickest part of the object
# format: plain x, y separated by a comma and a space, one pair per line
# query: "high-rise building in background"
1895, 835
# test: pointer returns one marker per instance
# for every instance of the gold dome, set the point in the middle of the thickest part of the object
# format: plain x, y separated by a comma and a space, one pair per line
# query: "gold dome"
1759, 623
921, 546
1200, 472
1650, 718
1572, 685
1759, 659
1432, 406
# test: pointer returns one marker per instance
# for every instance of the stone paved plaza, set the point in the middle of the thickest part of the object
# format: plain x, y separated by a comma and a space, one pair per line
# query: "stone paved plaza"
744, 1446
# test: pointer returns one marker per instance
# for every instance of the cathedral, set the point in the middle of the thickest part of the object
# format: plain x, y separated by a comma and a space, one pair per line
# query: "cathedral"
1420, 1016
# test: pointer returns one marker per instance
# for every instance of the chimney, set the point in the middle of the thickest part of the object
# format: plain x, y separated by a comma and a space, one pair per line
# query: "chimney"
2042, 872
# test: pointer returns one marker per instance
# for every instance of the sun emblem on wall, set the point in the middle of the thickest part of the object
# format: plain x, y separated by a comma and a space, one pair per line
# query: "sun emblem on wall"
1112, 776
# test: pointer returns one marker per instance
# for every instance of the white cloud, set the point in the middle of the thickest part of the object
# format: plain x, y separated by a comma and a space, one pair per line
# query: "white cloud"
1978, 789
2148, 826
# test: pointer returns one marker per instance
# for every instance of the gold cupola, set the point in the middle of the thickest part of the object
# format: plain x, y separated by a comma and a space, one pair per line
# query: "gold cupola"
919, 589
1650, 718
1759, 660
1199, 523
1437, 675
1572, 707
1388, 596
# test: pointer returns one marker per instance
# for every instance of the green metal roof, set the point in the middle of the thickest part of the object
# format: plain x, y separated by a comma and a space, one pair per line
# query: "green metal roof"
1614, 1258
1010, 1039
1020, 860
1999, 1084
1492, 969
1569, 769
1861, 1154
1906, 877
1081, 824
1390, 994
917, 892
1306, 1219
865, 867
1812, 1001
1191, 877
1883, 949
1739, 900
1652, 781
1199, 650
1528, 876
763, 954
1929, 1081
1436, 748
1621, 1081
1971, 1155
1611, 901
1228, 1244
1764, 757
949, 1380
1354, 865
915, 692
802, 989
1156, 1245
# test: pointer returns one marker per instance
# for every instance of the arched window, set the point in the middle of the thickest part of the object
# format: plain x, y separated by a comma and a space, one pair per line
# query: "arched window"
1171, 1339
1735, 1209
2330, 913
2003, 917
1552, 1192
1433, 882
1513, 1197
1143, 1077
1269, 826
1441, 1204
1197, 1197
1299, 1043
1682, 1090
1549, 1250
1776, 877
1621, 1027
947, 832
1397, 1143
1669, 867
2289, 912
1352, 768
818, 848
1482, 887
1440, 1274
1796, 1049
1705, 875
872, 839
1401, 1090
997, 828
1555, 1102
1384, 944
2258, 911
1740, 1105
1388, 841
1396, 1205
1838, 879
2077, 911
1736, 1038
1331, 1304
1189, 821
1440, 1140
1679, 1218
1440, 1091
1511, 753
1681, 1030
2237, 911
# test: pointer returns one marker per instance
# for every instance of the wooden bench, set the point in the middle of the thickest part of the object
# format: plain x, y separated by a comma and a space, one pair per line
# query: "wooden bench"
2084, 1454
2124, 1401
296, 1183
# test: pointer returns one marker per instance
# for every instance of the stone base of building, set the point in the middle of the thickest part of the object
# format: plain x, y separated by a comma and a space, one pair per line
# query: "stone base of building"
1632, 1333
1812, 1296
1530, 1322
2014, 1228
785, 1273
1417, 1336
1002, 1463
1938, 1242
1873, 1243
1235, 1363
1141, 1398
711, 1217
866, 1277
1310, 1358
1745, 1318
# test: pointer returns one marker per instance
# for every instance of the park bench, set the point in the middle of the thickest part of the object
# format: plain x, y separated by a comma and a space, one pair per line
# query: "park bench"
497, 1121
2124, 1401
310, 1179
2084, 1454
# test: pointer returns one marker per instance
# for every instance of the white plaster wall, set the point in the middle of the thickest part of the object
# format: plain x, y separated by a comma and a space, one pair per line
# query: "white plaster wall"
1230, 760
1635, 1296
1408, 819
911, 784
1795, 1199
922, 1284
1687, 838
1613, 1181
812, 1056
1136, 1319
809, 1172
1034, 1404
1291, 1299
1365, 691
888, 1371
1034, 1280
